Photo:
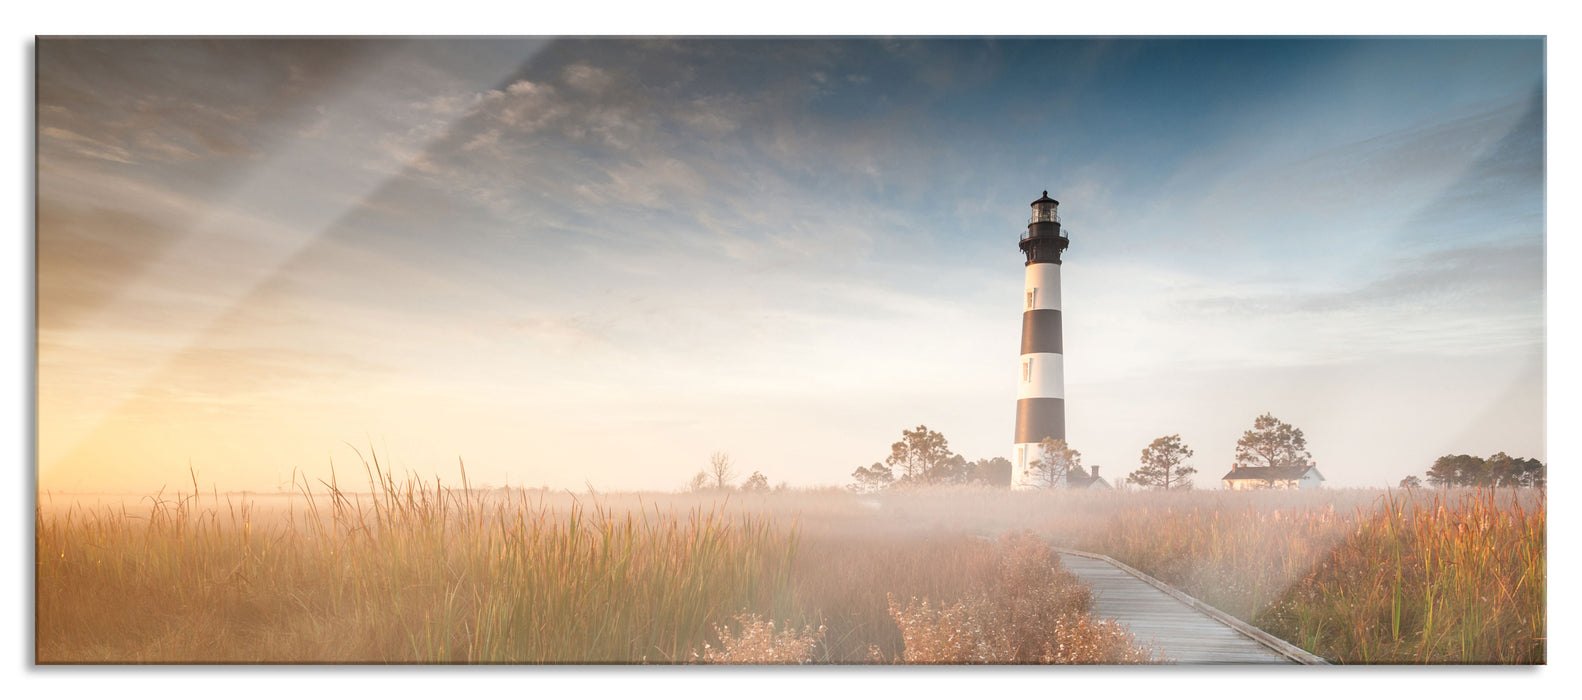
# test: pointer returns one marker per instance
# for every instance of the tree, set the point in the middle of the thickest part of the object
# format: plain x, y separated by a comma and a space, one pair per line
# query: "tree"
1501, 470
954, 470
720, 470
699, 481
1056, 460
1505, 470
1164, 465
870, 479
1456, 470
920, 456
1411, 482
1272, 443
993, 472
757, 483
1498, 470
1533, 473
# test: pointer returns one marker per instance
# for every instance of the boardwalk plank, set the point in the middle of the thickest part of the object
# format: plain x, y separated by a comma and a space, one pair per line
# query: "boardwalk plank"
1175, 629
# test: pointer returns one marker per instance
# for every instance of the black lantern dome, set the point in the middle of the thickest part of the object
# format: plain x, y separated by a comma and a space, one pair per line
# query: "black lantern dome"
1044, 240
1045, 209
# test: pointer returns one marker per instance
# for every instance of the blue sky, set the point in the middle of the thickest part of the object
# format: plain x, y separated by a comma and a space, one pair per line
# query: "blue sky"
597, 261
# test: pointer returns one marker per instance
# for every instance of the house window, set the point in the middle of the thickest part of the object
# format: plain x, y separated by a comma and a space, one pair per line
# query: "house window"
1027, 370
1032, 297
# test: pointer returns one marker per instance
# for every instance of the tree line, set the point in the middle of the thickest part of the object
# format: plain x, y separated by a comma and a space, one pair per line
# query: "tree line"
720, 474
1499, 470
923, 458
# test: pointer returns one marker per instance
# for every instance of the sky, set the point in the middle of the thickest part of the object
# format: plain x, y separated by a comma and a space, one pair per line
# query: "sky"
592, 263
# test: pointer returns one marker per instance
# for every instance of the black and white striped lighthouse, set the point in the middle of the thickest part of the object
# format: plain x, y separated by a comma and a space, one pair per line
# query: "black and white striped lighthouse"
1041, 392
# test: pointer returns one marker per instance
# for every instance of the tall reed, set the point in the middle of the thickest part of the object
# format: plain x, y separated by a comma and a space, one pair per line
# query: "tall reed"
416, 572
1416, 576
1427, 578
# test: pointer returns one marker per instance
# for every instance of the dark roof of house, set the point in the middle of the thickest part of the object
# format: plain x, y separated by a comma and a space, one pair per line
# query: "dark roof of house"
1269, 473
1082, 482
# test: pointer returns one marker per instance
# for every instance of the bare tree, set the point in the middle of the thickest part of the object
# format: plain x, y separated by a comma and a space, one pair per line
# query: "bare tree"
720, 470
699, 481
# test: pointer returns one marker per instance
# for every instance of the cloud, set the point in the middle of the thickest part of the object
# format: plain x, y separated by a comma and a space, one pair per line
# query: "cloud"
713, 114
114, 98
83, 145
1465, 301
659, 182
243, 380
1473, 280
87, 257
522, 108
587, 79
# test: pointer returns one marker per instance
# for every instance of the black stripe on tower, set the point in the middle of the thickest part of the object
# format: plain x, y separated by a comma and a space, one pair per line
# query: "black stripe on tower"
1037, 419
1041, 331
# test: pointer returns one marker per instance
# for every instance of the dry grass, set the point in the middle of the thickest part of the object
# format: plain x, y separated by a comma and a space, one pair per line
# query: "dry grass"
419, 572
1429, 578
1032, 612
414, 572
757, 643
1416, 576
846, 580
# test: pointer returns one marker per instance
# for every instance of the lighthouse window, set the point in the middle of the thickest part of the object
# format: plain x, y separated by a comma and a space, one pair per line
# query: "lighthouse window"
1032, 297
1044, 212
1027, 370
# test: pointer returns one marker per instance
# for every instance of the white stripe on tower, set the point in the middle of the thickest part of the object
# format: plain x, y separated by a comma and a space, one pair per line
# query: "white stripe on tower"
1040, 392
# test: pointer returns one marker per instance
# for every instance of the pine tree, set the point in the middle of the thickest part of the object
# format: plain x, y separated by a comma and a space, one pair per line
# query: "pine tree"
1164, 465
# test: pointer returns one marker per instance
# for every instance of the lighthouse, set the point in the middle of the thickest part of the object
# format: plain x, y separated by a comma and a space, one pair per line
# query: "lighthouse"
1041, 389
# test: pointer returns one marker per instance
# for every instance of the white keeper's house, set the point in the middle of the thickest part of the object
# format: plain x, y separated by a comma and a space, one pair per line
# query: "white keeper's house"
1241, 478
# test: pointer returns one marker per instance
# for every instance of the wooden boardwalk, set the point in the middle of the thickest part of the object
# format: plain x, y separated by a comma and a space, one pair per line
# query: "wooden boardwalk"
1178, 625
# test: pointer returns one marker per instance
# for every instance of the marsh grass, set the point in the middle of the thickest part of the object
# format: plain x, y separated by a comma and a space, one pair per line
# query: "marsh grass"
1032, 611
1412, 576
756, 642
848, 578
416, 573
1428, 577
